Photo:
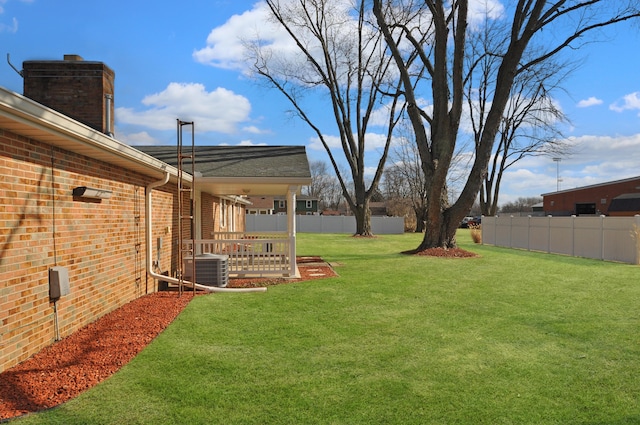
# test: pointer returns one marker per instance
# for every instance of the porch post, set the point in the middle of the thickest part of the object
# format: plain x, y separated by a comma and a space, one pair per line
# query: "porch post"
291, 228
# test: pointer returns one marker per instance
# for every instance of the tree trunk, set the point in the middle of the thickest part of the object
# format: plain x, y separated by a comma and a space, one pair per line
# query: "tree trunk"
421, 219
363, 219
439, 234
443, 221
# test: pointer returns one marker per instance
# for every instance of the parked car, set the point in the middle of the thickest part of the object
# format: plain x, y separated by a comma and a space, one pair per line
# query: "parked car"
470, 222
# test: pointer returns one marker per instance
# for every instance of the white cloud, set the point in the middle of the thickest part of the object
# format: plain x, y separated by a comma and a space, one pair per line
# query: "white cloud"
592, 101
254, 130
630, 101
332, 141
244, 143
225, 46
607, 148
373, 141
219, 111
141, 139
10, 28
228, 45
250, 143
479, 10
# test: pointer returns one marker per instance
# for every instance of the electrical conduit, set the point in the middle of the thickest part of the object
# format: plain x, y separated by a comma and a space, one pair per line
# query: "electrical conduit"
150, 272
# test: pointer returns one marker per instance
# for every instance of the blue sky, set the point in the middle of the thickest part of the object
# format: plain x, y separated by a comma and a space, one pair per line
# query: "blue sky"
184, 60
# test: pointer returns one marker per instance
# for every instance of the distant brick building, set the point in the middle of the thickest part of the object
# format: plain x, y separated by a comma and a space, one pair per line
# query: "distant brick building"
615, 198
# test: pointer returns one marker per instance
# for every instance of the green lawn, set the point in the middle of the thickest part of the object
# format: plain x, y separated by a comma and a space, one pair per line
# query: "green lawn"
510, 337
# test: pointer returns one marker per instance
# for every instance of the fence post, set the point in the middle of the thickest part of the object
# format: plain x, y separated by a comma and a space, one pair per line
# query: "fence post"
573, 235
549, 234
529, 232
636, 234
511, 231
602, 237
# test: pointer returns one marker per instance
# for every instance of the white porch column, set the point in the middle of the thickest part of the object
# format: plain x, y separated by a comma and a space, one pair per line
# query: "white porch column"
291, 227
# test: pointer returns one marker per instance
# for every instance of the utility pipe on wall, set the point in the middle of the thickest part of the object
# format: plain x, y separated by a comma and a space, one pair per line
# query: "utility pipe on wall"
149, 256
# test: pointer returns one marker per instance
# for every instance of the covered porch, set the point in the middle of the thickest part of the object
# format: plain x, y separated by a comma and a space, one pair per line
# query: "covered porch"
238, 172
228, 175
251, 254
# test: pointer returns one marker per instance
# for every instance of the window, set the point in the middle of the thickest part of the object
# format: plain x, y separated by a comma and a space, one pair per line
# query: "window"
282, 204
309, 204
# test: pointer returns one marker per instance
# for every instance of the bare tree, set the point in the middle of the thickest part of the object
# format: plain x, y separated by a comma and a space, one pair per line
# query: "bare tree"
529, 127
405, 180
324, 185
437, 31
341, 56
531, 120
521, 205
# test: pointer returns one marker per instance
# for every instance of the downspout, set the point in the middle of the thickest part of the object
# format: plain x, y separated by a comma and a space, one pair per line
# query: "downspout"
149, 256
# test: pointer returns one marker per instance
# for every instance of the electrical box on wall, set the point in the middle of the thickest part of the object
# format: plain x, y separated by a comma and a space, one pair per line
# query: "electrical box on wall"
58, 282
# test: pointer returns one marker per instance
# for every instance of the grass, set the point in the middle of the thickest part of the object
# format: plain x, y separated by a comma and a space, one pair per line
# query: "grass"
510, 337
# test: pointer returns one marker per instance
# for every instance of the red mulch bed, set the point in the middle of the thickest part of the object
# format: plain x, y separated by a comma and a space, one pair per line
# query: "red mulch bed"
89, 356
443, 252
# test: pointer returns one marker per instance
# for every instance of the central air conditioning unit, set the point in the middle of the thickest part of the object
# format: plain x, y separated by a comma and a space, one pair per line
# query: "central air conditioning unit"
210, 269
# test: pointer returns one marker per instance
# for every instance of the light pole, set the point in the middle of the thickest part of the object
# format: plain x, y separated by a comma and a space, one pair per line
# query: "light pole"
557, 161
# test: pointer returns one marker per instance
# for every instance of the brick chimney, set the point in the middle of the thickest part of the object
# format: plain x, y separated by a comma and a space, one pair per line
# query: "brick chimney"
82, 90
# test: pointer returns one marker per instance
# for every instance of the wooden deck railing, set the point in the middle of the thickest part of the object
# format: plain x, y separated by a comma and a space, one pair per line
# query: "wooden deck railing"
251, 254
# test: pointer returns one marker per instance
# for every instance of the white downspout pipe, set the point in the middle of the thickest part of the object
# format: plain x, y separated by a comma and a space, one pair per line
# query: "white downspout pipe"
149, 237
291, 229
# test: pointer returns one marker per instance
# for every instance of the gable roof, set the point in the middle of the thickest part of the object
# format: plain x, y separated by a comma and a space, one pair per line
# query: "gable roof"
242, 170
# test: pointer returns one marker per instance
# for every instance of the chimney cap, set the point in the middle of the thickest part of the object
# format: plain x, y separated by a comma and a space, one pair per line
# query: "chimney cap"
73, 58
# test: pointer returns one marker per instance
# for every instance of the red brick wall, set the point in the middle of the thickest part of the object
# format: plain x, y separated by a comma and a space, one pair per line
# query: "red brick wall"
101, 243
564, 203
207, 210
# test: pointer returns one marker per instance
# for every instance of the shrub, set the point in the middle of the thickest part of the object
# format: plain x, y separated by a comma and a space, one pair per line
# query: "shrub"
476, 233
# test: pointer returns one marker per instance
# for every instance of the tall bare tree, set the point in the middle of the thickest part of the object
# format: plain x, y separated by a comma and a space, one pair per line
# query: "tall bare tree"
341, 56
437, 31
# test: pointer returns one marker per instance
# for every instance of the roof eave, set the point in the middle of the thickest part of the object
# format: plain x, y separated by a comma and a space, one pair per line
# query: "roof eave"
27, 118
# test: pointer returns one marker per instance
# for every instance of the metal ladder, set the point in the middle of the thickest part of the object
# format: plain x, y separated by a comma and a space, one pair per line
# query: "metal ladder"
185, 217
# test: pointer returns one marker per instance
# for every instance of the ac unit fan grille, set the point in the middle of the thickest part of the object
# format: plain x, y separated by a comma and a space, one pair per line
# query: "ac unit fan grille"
210, 269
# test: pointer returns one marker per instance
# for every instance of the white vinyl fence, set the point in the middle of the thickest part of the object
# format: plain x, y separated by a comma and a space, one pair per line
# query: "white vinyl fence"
604, 238
322, 224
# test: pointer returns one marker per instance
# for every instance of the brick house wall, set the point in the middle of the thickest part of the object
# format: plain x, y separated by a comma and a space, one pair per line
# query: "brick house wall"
207, 216
100, 242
